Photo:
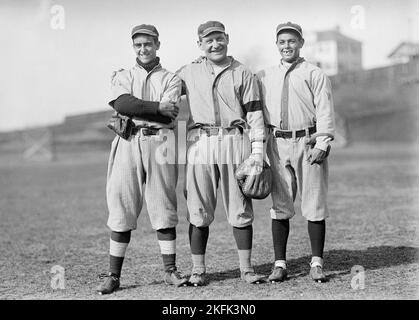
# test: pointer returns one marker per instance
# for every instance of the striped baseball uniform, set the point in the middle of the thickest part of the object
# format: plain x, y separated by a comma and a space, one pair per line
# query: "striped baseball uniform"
297, 97
144, 166
225, 120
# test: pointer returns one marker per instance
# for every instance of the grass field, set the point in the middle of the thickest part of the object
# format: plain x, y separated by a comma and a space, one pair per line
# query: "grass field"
55, 214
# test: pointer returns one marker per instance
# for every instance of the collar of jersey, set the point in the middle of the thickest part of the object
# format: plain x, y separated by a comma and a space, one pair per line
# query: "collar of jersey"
292, 65
209, 64
157, 66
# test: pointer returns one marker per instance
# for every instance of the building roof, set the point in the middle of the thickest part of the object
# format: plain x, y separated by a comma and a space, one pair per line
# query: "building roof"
405, 49
334, 34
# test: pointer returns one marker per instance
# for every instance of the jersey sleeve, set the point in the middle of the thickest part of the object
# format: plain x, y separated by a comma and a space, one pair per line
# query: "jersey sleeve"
120, 84
260, 77
181, 74
252, 106
323, 102
173, 90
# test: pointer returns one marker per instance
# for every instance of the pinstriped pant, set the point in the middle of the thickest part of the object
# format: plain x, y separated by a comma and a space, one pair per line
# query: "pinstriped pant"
292, 173
135, 173
212, 161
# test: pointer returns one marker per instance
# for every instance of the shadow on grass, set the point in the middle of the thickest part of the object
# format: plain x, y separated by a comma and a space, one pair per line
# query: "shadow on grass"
338, 262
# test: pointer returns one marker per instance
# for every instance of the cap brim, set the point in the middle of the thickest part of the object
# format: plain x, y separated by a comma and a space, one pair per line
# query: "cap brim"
145, 31
289, 28
211, 30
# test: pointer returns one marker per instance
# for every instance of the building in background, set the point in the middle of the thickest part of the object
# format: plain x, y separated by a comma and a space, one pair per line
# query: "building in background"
332, 51
377, 104
404, 52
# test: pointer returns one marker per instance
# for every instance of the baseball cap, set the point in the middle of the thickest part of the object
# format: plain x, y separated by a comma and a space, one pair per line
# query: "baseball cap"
289, 26
145, 29
209, 27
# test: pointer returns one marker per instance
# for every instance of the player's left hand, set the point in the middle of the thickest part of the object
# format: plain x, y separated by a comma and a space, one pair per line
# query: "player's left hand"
316, 155
257, 164
249, 167
257, 157
168, 109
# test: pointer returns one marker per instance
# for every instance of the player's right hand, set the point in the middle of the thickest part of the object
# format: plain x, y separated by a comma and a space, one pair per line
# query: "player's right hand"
169, 109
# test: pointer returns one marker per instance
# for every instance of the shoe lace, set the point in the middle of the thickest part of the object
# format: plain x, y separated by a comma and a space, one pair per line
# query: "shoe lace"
250, 272
176, 273
107, 275
198, 274
277, 267
318, 268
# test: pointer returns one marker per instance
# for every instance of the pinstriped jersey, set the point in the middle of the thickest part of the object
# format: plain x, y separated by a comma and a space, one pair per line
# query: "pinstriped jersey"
157, 85
224, 99
308, 96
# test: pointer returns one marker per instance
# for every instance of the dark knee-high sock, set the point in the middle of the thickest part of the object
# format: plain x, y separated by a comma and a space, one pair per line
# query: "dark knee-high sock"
317, 233
117, 248
280, 232
198, 239
244, 238
167, 243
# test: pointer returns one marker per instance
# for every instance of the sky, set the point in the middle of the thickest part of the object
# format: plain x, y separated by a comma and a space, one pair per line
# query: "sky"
57, 56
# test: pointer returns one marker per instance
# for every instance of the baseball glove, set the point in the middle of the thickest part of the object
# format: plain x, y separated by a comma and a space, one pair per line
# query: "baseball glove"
254, 180
121, 125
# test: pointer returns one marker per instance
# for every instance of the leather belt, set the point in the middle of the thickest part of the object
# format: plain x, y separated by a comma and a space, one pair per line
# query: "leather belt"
214, 131
145, 131
297, 133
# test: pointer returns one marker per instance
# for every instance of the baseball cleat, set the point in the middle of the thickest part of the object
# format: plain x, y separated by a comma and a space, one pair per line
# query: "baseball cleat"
110, 284
252, 277
317, 274
175, 277
278, 274
198, 279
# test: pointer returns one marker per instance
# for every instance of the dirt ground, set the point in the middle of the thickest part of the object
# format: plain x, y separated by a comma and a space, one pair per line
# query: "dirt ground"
54, 214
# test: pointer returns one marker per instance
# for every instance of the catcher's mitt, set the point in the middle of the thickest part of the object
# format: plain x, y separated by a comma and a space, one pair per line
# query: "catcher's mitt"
255, 181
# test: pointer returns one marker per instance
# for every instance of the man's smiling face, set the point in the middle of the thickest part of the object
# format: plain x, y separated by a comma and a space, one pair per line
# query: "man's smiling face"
215, 46
146, 47
289, 44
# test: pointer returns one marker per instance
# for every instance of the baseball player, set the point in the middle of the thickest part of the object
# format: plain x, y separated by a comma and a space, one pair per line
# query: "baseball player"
223, 99
148, 93
299, 112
